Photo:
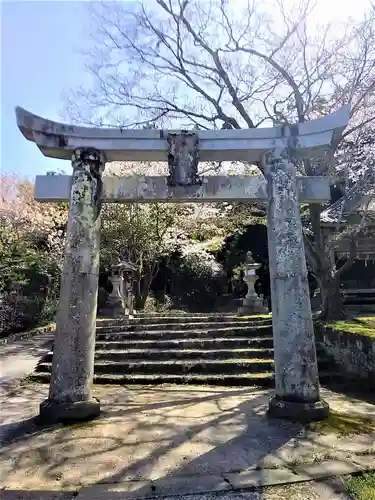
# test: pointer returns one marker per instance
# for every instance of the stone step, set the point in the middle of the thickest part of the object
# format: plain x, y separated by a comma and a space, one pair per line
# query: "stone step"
180, 366
218, 349
265, 379
196, 314
248, 379
177, 367
185, 319
360, 301
184, 334
203, 325
179, 313
124, 354
356, 308
187, 343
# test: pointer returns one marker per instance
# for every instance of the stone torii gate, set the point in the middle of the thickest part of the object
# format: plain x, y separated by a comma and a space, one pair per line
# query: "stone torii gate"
296, 374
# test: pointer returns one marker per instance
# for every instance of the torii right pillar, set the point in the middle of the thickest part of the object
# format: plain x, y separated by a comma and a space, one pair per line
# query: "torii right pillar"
296, 369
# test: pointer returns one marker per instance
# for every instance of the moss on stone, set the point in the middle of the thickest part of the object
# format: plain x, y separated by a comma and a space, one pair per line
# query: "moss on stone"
361, 325
84, 425
256, 316
343, 424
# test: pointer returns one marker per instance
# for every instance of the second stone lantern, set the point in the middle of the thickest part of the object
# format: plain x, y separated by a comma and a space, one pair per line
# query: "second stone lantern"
251, 304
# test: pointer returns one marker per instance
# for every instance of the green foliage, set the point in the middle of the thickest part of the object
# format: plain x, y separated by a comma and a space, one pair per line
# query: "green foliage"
23, 265
142, 234
153, 305
29, 283
197, 281
31, 250
361, 325
343, 424
214, 245
361, 487
251, 238
136, 231
182, 236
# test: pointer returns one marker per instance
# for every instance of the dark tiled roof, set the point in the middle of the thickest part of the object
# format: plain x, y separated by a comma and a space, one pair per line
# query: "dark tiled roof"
357, 198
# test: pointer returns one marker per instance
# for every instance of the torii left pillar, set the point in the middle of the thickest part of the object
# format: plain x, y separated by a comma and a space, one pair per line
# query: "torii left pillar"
70, 394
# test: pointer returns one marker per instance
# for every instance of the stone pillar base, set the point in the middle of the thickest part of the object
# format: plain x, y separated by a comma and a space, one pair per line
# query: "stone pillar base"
301, 412
252, 305
114, 308
53, 412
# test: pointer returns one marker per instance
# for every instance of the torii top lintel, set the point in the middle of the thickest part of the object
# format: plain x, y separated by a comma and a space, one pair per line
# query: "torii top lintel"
58, 140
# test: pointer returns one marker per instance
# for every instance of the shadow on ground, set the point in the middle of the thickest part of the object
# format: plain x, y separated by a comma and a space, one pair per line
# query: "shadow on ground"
33, 346
353, 389
158, 440
161, 443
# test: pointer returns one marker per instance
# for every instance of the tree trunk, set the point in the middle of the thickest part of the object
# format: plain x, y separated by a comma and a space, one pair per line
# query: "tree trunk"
143, 290
332, 303
160, 294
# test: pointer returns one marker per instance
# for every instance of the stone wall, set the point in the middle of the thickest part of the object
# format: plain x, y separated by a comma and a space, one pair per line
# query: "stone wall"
354, 355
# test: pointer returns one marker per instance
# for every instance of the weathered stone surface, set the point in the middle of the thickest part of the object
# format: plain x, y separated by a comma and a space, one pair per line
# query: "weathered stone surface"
73, 360
183, 485
263, 477
302, 412
115, 305
354, 355
59, 140
141, 189
51, 411
296, 370
183, 159
251, 304
151, 435
331, 488
326, 469
365, 461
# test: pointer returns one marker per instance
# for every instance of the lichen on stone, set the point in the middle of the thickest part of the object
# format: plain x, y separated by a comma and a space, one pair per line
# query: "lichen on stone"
183, 158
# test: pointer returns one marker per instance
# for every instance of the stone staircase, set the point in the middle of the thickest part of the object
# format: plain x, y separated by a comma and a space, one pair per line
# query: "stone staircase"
218, 349
360, 301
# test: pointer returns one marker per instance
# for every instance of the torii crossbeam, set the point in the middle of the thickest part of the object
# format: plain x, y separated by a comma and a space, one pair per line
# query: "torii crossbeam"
58, 140
140, 189
276, 149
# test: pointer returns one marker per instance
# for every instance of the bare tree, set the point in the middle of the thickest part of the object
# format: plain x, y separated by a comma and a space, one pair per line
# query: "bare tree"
227, 64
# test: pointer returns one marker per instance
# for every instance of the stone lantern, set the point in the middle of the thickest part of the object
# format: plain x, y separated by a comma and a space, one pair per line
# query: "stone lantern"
120, 300
251, 304
129, 271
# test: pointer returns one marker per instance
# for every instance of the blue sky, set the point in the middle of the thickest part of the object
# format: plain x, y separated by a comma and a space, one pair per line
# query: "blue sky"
38, 62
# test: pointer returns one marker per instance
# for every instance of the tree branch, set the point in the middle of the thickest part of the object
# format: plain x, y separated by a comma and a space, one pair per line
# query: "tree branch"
215, 56
349, 261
